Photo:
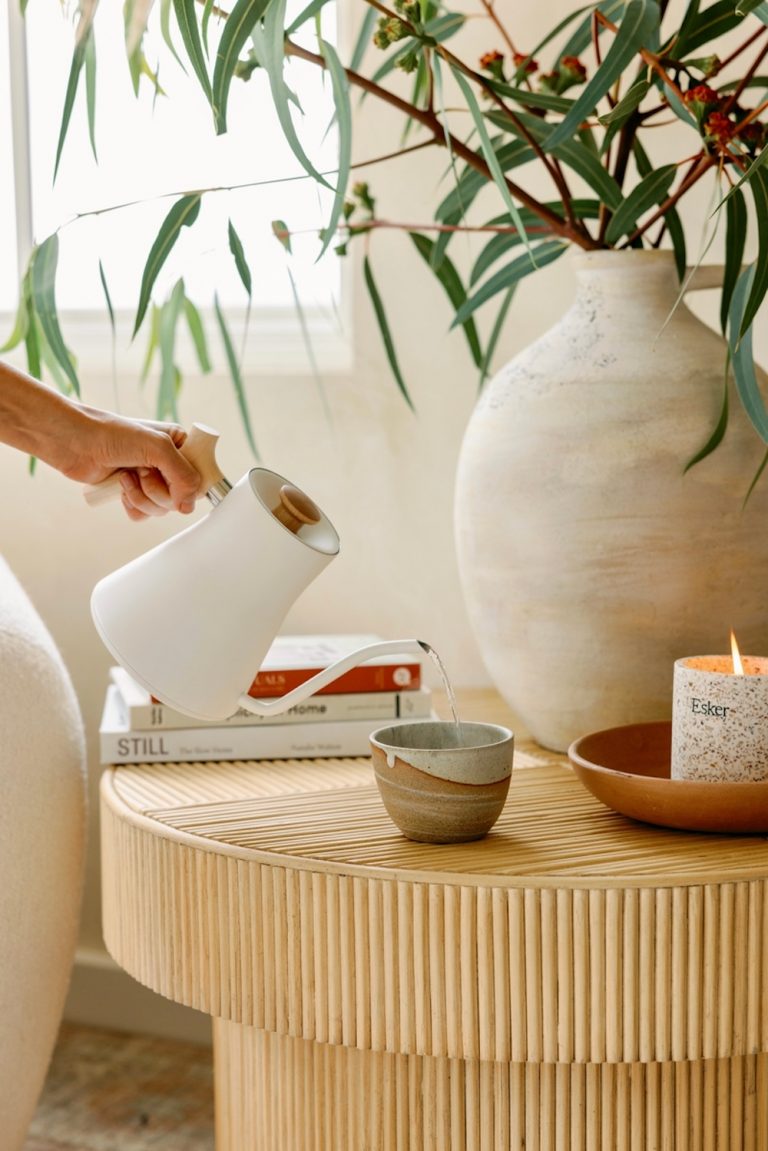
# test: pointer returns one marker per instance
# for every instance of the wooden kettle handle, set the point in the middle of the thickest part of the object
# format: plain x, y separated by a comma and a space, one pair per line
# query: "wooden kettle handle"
199, 448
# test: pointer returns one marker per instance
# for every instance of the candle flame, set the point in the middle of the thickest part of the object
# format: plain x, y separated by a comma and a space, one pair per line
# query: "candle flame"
738, 666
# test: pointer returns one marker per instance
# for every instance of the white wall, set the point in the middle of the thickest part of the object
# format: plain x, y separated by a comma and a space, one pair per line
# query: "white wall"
383, 475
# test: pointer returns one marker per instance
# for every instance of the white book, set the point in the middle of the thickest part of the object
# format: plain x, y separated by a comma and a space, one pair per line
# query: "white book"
138, 710
119, 743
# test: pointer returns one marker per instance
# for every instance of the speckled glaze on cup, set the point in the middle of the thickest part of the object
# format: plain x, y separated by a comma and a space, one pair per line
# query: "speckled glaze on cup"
440, 790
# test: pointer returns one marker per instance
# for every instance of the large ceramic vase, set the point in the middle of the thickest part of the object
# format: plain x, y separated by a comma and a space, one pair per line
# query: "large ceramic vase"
589, 558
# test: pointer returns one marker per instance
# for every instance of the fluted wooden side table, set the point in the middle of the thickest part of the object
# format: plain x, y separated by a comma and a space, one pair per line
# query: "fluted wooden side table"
574, 982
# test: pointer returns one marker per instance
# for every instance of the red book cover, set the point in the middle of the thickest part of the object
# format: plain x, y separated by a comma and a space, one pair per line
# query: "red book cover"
293, 659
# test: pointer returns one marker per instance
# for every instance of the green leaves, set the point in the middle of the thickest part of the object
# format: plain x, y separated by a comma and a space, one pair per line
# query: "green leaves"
638, 29
343, 108
489, 152
186, 17
237, 379
268, 44
240, 23
183, 213
649, 192
759, 187
84, 54
740, 343
44, 264
386, 335
530, 261
735, 239
450, 280
236, 248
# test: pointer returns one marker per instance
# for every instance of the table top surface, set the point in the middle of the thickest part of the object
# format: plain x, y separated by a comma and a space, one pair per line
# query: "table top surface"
326, 815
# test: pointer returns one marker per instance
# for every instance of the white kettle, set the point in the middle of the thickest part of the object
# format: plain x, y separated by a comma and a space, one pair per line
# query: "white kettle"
193, 618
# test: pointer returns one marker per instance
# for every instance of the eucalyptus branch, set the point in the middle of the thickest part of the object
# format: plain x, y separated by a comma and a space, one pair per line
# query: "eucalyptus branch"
490, 12
471, 229
742, 47
434, 125
729, 103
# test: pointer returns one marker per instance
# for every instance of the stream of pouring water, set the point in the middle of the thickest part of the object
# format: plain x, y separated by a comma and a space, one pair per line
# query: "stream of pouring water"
450, 693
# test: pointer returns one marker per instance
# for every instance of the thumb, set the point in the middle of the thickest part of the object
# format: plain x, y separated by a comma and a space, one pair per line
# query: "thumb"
184, 482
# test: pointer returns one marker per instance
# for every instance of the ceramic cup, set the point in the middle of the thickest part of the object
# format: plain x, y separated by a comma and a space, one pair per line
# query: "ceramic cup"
440, 785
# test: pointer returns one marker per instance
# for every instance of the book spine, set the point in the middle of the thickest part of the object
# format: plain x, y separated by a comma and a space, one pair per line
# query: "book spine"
366, 677
378, 706
307, 741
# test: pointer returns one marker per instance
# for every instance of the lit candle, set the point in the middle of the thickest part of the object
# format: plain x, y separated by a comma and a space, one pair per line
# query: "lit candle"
720, 717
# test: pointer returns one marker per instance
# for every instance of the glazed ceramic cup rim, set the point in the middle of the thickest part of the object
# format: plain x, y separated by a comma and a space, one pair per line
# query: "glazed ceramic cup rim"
381, 737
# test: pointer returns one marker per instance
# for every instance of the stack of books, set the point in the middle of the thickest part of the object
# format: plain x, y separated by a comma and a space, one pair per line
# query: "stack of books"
337, 721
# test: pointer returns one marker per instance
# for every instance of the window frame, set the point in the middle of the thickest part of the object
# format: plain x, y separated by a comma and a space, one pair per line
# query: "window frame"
277, 339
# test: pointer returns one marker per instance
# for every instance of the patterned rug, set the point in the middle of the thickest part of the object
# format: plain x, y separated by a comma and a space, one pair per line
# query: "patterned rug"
107, 1091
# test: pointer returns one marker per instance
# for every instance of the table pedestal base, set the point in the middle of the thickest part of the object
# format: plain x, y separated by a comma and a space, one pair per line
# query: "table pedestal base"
276, 1093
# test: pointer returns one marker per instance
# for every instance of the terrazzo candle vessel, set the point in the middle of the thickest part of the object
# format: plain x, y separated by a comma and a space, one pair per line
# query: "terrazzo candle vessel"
720, 719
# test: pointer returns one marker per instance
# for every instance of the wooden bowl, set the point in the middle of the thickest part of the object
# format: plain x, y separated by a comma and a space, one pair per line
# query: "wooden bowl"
628, 769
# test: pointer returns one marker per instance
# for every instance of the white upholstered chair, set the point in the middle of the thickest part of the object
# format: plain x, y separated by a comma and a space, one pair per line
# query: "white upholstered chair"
42, 837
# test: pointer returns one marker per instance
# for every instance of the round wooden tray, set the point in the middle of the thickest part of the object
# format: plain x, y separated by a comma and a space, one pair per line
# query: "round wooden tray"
628, 769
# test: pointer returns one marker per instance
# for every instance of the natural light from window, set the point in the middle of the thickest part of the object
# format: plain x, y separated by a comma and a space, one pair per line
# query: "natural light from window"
8, 268
152, 147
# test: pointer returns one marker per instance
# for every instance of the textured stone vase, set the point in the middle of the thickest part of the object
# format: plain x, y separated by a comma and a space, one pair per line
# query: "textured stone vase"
590, 561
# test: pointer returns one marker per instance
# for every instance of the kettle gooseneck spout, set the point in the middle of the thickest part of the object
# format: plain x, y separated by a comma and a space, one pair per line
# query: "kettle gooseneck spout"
330, 673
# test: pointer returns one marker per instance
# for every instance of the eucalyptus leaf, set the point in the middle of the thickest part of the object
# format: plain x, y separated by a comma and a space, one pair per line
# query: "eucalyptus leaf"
311, 10
107, 298
496, 330
549, 103
237, 250
363, 38
735, 239
268, 45
638, 29
384, 329
671, 219
510, 155
153, 341
21, 324
343, 107
43, 284
32, 347
75, 70
573, 153
197, 332
759, 188
581, 38
501, 242
740, 343
240, 24
629, 103
720, 428
165, 31
450, 281
167, 407
237, 379
530, 261
488, 151
649, 192
714, 21
90, 91
186, 18
182, 215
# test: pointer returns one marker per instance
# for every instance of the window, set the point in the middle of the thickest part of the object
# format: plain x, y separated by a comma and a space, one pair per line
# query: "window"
150, 151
